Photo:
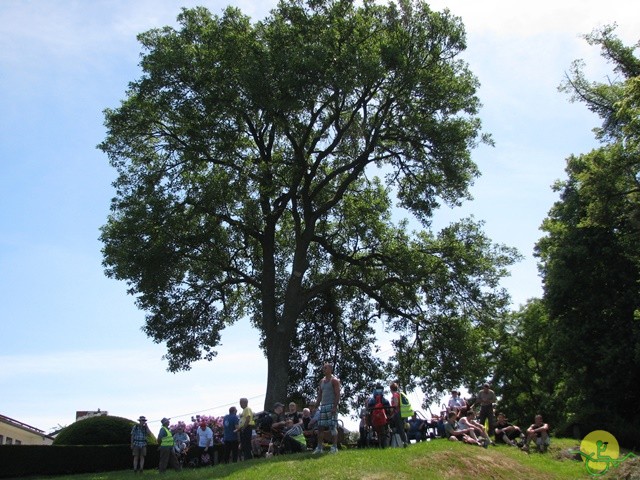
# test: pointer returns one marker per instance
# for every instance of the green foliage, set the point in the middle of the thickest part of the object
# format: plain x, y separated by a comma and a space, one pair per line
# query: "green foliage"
99, 430
590, 259
523, 374
256, 166
603, 98
463, 306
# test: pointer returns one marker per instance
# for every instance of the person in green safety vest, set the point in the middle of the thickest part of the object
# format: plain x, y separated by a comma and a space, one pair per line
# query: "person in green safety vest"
167, 453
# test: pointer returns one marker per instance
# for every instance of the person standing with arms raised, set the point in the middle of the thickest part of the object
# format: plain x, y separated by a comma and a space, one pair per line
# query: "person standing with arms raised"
328, 401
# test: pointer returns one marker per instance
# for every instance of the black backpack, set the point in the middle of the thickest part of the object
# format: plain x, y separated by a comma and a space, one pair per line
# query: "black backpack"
264, 422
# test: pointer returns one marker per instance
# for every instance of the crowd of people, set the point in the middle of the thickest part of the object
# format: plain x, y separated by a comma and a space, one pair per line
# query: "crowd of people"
382, 423
459, 421
471, 423
246, 435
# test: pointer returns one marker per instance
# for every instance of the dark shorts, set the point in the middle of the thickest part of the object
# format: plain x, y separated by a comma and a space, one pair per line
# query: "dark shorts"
510, 435
139, 451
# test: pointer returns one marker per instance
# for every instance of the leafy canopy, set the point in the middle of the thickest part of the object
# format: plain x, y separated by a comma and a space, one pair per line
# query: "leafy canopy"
258, 165
590, 256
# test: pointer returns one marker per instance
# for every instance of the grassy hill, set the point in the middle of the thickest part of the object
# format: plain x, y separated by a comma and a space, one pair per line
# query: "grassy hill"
438, 459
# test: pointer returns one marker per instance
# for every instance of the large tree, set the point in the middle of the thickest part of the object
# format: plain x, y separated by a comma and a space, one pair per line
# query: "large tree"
258, 165
590, 258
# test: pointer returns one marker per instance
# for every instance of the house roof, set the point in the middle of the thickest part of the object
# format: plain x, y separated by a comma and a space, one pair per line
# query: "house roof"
22, 425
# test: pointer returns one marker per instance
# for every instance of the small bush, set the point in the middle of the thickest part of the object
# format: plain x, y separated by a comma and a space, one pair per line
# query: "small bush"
102, 430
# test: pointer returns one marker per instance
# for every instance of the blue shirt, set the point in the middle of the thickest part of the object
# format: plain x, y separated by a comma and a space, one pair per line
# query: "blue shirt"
414, 424
230, 424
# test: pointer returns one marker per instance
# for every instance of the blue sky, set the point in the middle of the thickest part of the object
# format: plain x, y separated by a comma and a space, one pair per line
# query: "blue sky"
70, 338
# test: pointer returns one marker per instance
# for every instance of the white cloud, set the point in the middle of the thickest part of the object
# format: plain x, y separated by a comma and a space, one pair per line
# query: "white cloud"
509, 19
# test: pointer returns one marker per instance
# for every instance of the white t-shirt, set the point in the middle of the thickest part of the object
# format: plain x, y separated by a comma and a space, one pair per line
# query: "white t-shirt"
205, 437
463, 424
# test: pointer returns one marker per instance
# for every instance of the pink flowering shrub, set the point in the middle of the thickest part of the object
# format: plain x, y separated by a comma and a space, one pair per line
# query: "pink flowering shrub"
214, 423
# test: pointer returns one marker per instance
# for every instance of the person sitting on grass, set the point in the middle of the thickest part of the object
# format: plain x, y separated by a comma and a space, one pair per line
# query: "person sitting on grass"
506, 432
310, 417
538, 431
417, 428
454, 433
470, 422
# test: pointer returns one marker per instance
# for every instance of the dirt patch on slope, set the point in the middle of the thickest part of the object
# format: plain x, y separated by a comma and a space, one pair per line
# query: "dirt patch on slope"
627, 470
486, 465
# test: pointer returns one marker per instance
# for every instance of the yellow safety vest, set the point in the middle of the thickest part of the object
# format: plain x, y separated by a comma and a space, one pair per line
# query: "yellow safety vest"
405, 406
168, 440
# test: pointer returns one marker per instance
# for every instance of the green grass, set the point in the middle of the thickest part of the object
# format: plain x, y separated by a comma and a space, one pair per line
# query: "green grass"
439, 459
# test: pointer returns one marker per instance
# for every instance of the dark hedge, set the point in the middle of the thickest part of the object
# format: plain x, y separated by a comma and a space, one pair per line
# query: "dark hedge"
102, 430
30, 460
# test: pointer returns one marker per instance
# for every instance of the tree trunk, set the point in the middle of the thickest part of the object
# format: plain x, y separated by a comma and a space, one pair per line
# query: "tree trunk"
278, 342
280, 332
277, 372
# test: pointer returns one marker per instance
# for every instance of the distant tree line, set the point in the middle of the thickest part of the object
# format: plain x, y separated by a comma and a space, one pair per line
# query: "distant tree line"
575, 353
